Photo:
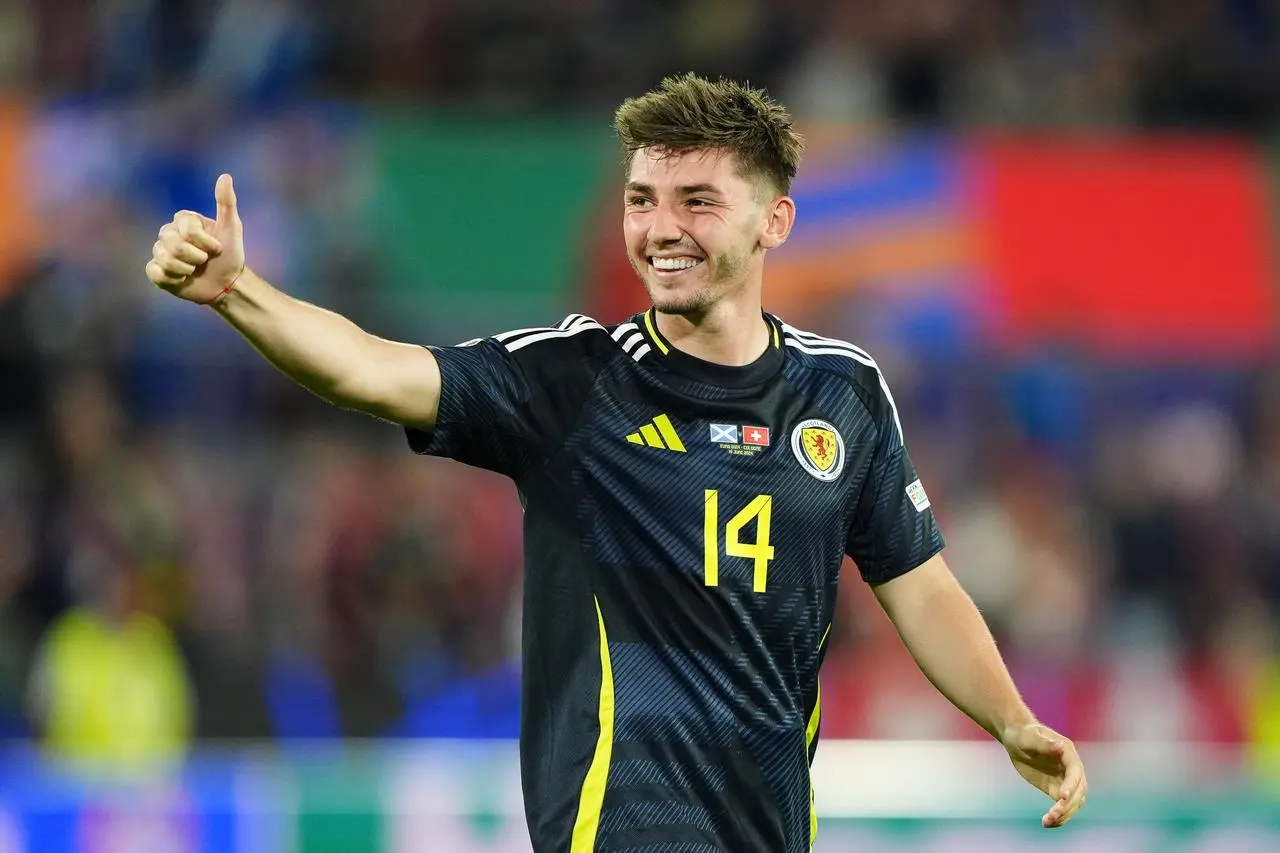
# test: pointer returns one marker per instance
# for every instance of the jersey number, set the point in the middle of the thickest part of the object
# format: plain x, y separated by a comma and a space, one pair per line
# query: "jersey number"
761, 509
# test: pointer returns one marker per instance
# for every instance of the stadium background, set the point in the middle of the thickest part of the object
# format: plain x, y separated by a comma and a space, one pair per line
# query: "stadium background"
1053, 221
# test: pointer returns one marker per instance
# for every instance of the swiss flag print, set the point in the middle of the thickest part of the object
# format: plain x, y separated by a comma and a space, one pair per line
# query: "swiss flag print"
755, 435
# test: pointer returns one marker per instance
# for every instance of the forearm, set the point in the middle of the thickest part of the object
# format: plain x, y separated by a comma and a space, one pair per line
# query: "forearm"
953, 647
319, 349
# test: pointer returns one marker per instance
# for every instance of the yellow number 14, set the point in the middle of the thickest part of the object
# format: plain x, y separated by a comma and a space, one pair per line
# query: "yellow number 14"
761, 508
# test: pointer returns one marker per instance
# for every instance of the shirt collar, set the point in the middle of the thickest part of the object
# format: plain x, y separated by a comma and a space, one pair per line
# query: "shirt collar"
683, 364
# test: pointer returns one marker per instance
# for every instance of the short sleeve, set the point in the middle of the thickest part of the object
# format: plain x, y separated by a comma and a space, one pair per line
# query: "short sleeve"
506, 401
893, 529
483, 419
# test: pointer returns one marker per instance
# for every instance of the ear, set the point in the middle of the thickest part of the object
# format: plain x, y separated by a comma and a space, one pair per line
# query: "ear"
780, 216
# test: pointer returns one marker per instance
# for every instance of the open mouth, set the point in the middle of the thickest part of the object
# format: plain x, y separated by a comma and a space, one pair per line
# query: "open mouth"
674, 265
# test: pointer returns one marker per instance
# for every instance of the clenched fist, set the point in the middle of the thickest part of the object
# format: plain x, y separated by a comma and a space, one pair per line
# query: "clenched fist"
197, 258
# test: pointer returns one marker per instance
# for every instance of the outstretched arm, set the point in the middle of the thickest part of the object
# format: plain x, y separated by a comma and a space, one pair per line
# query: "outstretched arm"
951, 643
333, 357
202, 260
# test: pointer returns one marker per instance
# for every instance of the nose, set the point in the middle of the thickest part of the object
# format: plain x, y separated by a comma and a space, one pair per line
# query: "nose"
664, 227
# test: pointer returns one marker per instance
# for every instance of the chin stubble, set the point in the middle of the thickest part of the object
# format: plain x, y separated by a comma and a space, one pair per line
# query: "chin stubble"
726, 267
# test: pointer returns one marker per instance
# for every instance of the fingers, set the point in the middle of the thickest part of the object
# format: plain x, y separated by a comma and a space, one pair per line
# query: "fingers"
160, 277
181, 260
1074, 790
1071, 794
1065, 809
183, 245
1057, 815
186, 243
1076, 803
195, 229
1072, 776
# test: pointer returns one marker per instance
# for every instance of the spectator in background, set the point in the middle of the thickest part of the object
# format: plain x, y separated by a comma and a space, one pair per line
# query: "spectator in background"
109, 689
1264, 720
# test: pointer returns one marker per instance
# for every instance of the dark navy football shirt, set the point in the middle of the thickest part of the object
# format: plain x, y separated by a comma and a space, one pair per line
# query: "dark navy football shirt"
685, 524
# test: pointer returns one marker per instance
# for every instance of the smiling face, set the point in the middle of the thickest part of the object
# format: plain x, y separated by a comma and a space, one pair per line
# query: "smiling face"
697, 229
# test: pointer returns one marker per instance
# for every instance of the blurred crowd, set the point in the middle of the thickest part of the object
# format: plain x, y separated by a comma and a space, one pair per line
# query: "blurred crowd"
1086, 62
258, 564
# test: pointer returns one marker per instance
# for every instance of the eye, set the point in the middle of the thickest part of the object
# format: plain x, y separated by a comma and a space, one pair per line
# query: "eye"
698, 202
639, 201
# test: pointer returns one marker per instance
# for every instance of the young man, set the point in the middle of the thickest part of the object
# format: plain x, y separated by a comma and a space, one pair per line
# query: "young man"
692, 479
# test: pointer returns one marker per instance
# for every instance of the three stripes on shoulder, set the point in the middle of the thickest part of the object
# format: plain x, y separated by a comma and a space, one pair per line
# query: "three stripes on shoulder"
627, 335
808, 342
631, 340
574, 324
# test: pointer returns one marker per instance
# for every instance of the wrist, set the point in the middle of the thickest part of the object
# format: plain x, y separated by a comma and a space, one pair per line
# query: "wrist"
226, 291
1013, 723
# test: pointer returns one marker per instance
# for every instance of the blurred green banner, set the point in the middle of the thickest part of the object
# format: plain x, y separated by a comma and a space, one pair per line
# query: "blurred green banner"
483, 219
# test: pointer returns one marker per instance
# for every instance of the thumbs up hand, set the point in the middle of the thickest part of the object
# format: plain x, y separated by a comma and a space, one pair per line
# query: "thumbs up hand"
197, 258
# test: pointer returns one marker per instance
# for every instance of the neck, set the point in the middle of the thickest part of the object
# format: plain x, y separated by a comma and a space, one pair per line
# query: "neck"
731, 332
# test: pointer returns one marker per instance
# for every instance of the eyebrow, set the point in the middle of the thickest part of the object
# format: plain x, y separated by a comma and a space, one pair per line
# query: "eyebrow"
689, 189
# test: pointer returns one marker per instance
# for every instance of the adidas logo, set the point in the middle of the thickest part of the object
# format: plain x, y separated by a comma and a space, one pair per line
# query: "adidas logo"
658, 433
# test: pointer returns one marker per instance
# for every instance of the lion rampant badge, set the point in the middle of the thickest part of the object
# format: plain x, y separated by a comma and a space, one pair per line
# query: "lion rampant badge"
819, 448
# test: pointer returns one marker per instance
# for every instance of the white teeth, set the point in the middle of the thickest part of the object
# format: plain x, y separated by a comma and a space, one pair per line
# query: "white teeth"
674, 263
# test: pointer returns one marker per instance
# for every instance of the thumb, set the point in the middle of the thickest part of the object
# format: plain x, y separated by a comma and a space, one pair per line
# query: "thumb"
225, 195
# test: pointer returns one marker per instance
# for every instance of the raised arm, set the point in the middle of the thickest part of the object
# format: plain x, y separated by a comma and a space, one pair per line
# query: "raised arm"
202, 260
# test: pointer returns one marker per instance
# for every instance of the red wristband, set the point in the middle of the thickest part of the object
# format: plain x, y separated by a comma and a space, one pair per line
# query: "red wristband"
225, 290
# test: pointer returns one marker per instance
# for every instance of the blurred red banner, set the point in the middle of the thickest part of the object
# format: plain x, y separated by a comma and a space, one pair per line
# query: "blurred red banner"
1134, 248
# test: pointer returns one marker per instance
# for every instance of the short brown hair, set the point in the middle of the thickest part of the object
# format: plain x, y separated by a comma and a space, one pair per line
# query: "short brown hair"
690, 112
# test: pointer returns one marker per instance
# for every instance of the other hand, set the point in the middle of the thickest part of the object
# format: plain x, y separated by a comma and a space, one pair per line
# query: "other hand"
1050, 762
